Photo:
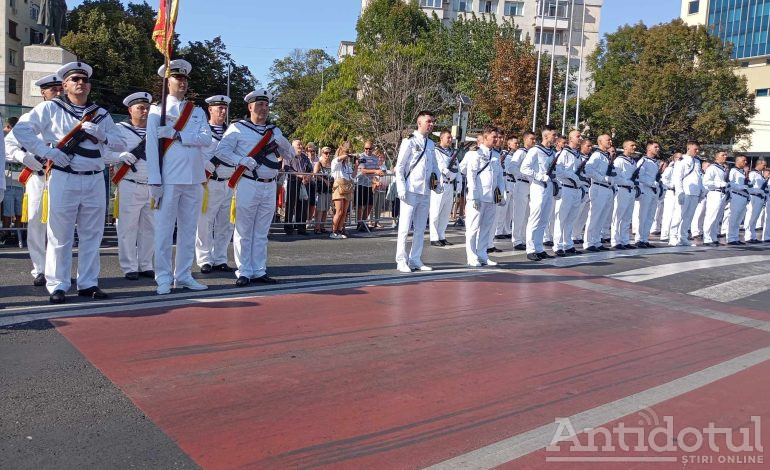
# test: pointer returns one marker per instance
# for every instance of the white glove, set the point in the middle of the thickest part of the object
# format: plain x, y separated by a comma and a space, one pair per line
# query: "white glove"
95, 130
402, 195
31, 162
502, 203
166, 132
127, 158
248, 162
210, 167
680, 198
156, 191
59, 158
476, 205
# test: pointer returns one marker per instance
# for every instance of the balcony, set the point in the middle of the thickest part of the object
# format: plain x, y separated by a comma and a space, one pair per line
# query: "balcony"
548, 22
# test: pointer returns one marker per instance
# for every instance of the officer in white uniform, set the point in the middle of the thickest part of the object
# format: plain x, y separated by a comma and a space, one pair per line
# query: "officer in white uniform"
715, 180
504, 217
415, 164
520, 193
578, 229
755, 185
688, 184
486, 191
214, 228
739, 200
255, 191
136, 221
176, 180
535, 168
567, 207
623, 209
649, 191
766, 222
50, 87
76, 191
441, 203
601, 193
669, 199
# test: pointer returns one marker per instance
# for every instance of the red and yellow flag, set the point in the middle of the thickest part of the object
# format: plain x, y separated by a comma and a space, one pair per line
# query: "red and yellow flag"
163, 32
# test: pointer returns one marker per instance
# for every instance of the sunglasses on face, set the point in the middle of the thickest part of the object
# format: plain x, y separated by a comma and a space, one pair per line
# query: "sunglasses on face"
367, 148
79, 79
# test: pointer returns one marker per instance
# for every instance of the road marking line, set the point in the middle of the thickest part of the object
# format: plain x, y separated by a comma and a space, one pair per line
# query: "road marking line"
536, 439
735, 289
663, 270
664, 302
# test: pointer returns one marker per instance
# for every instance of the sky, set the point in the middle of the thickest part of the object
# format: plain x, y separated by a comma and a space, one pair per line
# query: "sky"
257, 32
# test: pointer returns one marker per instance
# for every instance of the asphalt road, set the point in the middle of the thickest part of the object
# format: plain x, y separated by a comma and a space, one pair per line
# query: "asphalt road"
60, 411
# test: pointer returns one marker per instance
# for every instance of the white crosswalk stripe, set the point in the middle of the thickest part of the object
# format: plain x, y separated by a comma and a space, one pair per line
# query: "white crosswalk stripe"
735, 289
663, 270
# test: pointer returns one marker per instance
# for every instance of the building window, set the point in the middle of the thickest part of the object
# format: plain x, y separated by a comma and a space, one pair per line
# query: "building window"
464, 5
693, 7
12, 85
12, 30
430, 3
763, 92
554, 8
34, 12
514, 9
12, 57
13, 3
485, 6
548, 37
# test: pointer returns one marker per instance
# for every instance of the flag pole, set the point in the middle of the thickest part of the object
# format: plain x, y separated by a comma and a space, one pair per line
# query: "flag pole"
167, 56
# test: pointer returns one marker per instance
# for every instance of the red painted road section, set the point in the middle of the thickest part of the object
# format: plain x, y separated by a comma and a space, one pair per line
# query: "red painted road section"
392, 376
728, 403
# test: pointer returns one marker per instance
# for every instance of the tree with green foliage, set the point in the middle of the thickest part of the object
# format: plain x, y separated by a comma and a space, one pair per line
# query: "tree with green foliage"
390, 22
670, 83
295, 81
116, 41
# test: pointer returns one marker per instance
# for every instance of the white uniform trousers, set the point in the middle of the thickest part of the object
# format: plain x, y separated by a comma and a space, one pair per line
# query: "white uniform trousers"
136, 227
440, 210
36, 230
622, 214
715, 202
601, 205
657, 219
214, 228
180, 206
753, 210
504, 214
682, 220
478, 225
738, 206
698, 218
567, 210
540, 205
254, 211
414, 212
578, 228
766, 223
520, 212
644, 210
607, 227
74, 200
669, 206
549, 226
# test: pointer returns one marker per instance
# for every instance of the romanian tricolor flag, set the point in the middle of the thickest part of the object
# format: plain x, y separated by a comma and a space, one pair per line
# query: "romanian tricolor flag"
163, 32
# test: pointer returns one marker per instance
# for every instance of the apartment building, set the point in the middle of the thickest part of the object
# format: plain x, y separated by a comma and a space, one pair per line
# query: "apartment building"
746, 25
18, 28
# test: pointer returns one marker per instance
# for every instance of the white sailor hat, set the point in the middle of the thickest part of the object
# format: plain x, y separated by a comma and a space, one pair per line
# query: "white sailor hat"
48, 81
79, 68
218, 100
177, 66
136, 98
260, 94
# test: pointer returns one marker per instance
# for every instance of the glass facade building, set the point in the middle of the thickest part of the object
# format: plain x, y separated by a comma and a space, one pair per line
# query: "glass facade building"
744, 23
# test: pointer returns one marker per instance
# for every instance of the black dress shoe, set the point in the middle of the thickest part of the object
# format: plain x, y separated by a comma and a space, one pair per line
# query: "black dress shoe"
501, 237
630, 247
93, 293
716, 244
641, 245
619, 247
561, 253
603, 248
148, 274
223, 268
436, 243
753, 242
132, 276
206, 268
547, 243
579, 241
242, 281
520, 247
39, 280
265, 279
544, 255
573, 251
533, 257
741, 243
592, 249
734, 243
446, 242
606, 240
57, 297
490, 250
